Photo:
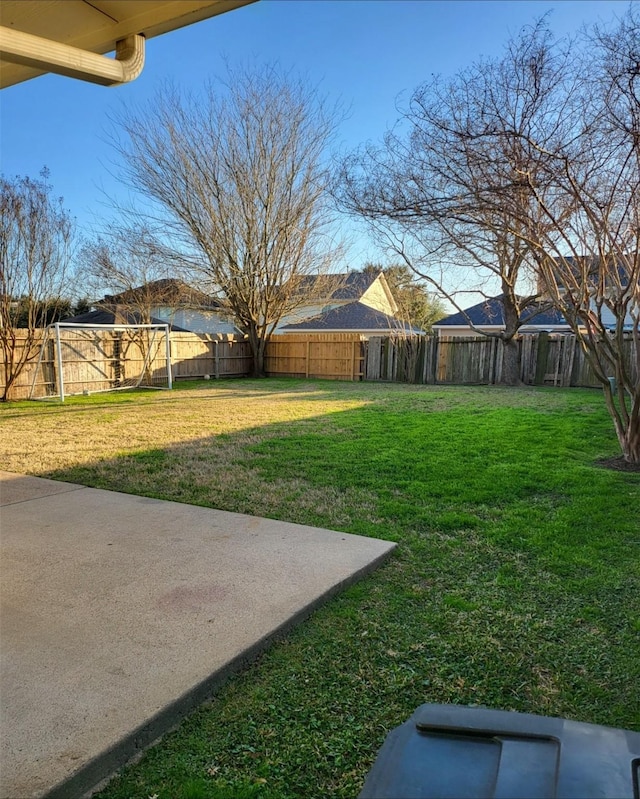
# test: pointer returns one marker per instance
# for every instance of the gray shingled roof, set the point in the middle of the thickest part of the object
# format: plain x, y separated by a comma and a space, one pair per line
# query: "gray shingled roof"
491, 312
346, 286
354, 316
103, 317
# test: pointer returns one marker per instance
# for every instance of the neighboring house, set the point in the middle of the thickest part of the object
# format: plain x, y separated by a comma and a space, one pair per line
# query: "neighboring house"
488, 316
117, 317
173, 301
346, 303
593, 278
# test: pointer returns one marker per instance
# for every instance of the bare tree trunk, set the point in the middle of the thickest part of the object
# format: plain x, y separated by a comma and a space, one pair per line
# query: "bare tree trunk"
257, 344
511, 357
11, 365
625, 421
511, 362
631, 444
258, 362
9, 381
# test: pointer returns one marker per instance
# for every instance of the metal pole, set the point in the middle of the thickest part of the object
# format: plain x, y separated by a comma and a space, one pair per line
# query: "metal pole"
59, 360
168, 346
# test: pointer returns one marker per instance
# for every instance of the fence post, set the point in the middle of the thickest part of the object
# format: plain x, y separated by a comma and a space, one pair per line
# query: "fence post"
363, 357
59, 361
571, 342
366, 366
216, 360
436, 360
499, 361
541, 358
430, 360
394, 359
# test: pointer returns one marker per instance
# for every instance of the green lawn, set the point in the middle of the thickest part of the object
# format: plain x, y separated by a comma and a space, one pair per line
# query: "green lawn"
515, 583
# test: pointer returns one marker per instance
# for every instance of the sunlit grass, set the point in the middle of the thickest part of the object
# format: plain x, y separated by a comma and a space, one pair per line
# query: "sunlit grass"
515, 584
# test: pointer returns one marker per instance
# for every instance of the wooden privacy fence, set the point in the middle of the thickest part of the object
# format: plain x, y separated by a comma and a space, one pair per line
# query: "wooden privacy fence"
428, 359
335, 356
545, 359
93, 360
20, 389
104, 361
99, 360
216, 355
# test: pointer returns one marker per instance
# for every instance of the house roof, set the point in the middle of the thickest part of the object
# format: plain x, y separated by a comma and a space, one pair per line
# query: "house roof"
490, 312
588, 267
355, 316
167, 291
125, 317
342, 286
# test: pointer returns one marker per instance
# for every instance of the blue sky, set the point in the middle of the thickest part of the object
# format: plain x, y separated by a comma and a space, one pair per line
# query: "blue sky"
362, 52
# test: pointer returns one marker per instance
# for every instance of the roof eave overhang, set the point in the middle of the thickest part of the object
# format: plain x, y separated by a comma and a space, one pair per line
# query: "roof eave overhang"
35, 38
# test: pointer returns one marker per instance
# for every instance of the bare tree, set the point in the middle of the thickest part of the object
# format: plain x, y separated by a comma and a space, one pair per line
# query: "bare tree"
237, 175
127, 264
36, 235
587, 243
445, 192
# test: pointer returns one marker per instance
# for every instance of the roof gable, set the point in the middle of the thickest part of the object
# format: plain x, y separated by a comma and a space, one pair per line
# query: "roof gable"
339, 286
377, 290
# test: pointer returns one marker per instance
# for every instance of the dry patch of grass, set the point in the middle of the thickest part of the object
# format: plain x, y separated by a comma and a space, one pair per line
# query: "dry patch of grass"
192, 446
43, 439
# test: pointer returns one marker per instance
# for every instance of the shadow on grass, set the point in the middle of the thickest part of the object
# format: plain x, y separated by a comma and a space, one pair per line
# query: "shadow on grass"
515, 586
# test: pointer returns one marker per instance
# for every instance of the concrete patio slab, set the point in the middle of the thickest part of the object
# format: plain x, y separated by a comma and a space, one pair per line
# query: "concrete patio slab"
121, 613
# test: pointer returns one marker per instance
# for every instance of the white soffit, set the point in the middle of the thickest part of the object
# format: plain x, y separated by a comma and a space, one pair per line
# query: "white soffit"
91, 27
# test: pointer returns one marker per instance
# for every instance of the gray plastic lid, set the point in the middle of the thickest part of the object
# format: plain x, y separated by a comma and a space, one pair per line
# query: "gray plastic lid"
457, 752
